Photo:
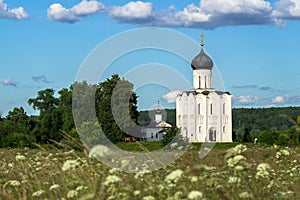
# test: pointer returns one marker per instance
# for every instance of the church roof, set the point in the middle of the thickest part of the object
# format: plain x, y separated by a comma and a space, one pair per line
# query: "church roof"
202, 61
161, 124
206, 92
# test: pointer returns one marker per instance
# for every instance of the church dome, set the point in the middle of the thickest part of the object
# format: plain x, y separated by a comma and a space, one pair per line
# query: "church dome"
202, 61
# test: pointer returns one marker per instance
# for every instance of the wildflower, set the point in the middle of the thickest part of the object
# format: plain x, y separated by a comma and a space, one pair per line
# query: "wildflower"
173, 145
245, 195
194, 179
233, 179
178, 195
38, 193
148, 198
11, 165
239, 168
195, 195
72, 194
79, 188
262, 171
13, 183
55, 186
136, 192
70, 164
231, 162
111, 179
20, 157
282, 152
99, 151
174, 176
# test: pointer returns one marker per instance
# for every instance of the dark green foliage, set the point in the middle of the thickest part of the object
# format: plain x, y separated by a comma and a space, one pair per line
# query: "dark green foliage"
169, 135
116, 108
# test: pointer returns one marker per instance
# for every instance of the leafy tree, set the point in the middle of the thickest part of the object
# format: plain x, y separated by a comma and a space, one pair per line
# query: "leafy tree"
169, 135
50, 119
116, 108
17, 124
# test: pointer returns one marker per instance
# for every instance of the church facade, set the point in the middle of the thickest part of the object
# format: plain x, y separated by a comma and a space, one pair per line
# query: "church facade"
204, 114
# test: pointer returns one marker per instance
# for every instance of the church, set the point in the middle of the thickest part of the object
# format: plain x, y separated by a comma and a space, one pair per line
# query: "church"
204, 114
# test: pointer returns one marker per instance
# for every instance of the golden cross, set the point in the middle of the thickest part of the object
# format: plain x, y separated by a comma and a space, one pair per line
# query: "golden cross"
202, 40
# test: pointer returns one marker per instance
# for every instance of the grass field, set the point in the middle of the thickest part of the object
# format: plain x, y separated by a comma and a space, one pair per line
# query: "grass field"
229, 171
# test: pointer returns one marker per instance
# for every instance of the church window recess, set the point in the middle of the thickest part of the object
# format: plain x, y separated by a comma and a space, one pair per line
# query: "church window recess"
223, 108
224, 129
211, 108
200, 129
156, 135
199, 108
151, 135
199, 81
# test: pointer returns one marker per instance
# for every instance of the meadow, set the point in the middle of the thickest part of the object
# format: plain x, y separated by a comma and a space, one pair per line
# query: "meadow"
229, 171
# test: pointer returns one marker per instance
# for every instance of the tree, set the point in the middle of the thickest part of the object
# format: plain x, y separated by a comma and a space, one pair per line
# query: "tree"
17, 124
169, 135
116, 108
49, 121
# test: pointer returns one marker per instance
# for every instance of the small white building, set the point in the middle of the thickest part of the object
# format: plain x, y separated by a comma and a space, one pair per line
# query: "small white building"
203, 114
155, 129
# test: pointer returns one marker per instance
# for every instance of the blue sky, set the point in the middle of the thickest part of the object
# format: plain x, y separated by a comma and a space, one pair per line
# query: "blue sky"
254, 44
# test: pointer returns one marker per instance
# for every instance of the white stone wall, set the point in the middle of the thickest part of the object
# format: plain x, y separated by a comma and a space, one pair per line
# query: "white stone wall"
195, 123
202, 79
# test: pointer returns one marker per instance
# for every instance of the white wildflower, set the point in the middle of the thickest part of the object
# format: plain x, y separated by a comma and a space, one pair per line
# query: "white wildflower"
79, 188
99, 151
70, 164
136, 192
245, 195
239, 168
282, 152
148, 198
53, 187
195, 195
38, 193
72, 194
13, 183
111, 179
233, 179
194, 179
174, 176
11, 165
262, 171
231, 162
20, 157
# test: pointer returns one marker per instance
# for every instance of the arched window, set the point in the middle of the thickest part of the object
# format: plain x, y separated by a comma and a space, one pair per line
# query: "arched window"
199, 81
151, 135
223, 108
156, 135
211, 108
224, 129
199, 108
200, 129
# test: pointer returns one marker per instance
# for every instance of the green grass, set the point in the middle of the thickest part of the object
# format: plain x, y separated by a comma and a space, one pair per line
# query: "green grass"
39, 174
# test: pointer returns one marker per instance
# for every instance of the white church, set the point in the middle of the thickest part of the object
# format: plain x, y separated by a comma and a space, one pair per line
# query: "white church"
203, 114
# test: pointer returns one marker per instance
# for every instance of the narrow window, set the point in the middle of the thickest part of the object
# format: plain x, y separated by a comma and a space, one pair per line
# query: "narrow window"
199, 81
199, 129
211, 108
205, 82
199, 108
156, 135
151, 135
224, 129
223, 108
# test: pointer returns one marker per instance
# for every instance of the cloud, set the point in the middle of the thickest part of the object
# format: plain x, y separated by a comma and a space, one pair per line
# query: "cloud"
287, 9
15, 13
134, 12
57, 12
41, 78
265, 88
244, 86
280, 99
171, 96
245, 100
8, 82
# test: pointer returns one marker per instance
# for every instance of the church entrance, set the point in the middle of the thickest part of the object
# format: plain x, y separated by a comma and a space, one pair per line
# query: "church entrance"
212, 134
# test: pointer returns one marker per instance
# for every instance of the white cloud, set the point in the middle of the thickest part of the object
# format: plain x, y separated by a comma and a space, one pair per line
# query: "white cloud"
280, 99
287, 9
15, 13
57, 12
246, 100
132, 11
171, 96
8, 82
